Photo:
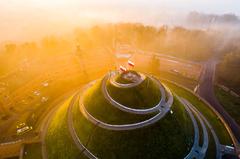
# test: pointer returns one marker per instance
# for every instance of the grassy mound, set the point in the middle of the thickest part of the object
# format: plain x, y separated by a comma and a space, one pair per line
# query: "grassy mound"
145, 95
171, 137
97, 106
58, 140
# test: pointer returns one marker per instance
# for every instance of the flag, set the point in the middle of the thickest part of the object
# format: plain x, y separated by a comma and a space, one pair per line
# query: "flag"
130, 63
123, 69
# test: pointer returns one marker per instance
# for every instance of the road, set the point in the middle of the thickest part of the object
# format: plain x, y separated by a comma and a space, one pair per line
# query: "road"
206, 91
42, 124
164, 55
66, 67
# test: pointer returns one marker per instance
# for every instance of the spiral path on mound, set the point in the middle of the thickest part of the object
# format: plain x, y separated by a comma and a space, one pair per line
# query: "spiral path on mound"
159, 107
163, 107
113, 81
197, 151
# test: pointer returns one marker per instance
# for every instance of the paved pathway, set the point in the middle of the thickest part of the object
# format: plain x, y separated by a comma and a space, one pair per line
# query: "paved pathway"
76, 139
122, 107
112, 80
217, 142
73, 132
164, 110
200, 149
44, 127
197, 151
235, 142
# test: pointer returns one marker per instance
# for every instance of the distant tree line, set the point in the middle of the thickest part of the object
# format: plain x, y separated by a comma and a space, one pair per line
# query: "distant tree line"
192, 44
228, 71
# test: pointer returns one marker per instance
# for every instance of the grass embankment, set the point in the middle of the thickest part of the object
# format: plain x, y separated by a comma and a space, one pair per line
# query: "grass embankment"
180, 79
211, 146
211, 151
171, 137
205, 110
101, 109
32, 151
227, 71
230, 103
145, 95
58, 140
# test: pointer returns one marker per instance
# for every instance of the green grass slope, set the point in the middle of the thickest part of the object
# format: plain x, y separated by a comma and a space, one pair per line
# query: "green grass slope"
171, 137
145, 95
101, 109
206, 111
230, 103
32, 151
58, 140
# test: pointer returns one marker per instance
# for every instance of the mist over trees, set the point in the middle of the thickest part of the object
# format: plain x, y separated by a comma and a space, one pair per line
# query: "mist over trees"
196, 18
191, 44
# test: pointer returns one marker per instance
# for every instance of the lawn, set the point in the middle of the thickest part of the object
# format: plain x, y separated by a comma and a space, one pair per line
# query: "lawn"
180, 79
230, 103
